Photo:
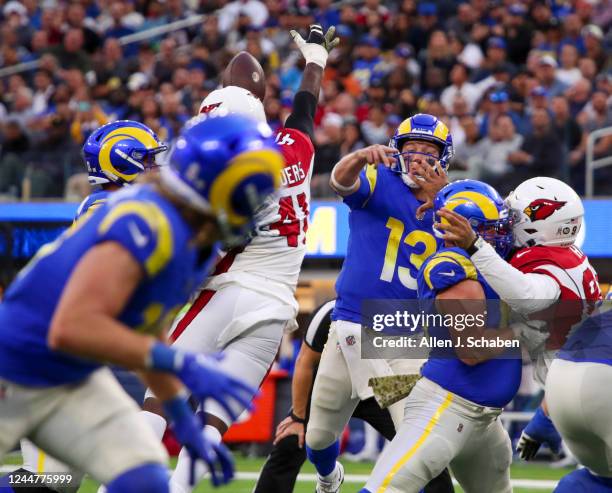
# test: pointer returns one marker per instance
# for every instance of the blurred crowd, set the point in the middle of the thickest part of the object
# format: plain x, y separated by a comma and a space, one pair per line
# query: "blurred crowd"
521, 83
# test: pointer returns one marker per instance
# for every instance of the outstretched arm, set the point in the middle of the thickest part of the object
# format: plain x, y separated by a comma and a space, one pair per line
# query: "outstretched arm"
315, 50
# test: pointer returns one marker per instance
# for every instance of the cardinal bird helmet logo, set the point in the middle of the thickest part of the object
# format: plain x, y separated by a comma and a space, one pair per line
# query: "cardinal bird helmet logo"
542, 208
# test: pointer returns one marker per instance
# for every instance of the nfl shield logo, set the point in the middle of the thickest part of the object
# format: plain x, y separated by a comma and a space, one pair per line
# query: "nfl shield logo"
350, 340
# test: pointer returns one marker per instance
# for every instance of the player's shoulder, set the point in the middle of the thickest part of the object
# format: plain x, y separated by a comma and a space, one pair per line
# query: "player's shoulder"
143, 221
292, 139
92, 202
564, 257
445, 268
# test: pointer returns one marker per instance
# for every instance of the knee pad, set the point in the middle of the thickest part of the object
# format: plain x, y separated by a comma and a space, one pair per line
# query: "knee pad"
148, 478
318, 439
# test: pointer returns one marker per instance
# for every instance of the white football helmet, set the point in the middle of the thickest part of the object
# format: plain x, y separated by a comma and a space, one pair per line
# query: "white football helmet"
546, 211
234, 99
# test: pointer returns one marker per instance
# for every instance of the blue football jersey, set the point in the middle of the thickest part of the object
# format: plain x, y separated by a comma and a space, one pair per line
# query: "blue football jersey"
387, 243
158, 238
491, 383
92, 202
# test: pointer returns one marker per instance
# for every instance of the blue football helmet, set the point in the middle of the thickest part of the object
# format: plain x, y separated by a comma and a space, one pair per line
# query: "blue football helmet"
119, 151
483, 207
426, 128
225, 165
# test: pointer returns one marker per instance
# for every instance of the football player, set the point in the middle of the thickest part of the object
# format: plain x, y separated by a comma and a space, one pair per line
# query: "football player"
580, 404
115, 155
548, 277
248, 302
451, 415
384, 189
287, 456
59, 324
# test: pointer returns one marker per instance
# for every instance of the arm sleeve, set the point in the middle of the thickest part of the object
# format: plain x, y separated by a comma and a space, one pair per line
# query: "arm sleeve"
302, 116
367, 183
525, 293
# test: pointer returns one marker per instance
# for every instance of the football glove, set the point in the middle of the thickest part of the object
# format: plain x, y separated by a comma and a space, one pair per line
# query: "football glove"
317, 46
538, 431
202, 378
187, 428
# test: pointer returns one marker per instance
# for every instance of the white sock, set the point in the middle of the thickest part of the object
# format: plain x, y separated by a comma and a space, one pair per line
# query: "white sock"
179, 482
157, 423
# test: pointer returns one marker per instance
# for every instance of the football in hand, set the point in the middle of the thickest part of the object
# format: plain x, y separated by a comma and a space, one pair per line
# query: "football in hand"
245, 71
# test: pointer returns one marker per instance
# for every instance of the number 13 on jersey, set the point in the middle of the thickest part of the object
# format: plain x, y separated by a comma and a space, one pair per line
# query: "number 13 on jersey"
417, 239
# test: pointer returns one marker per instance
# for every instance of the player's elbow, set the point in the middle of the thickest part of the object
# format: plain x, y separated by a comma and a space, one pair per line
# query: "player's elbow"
63, 334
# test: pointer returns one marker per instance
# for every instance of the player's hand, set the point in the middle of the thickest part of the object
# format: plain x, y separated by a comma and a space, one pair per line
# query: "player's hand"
318, 45
288, 427
376, 154
457, 229
431, 179
538, 431
200, 375
187, 428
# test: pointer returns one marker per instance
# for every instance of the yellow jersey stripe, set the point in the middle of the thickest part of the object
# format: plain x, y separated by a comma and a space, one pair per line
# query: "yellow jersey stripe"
40, 465
153, 216
433, 263
406, 457
372, 176
468, 266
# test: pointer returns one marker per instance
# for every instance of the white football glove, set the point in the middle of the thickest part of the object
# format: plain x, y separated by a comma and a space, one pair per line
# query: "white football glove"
317, 47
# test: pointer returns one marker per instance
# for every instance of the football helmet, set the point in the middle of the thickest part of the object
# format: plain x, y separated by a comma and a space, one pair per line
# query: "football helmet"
546, 211
421, 127
224, 165
234, 99
483, 207
119, 151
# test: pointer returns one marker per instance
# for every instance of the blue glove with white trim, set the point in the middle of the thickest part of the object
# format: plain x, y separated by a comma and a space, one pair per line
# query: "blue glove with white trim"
187, 428
199, 374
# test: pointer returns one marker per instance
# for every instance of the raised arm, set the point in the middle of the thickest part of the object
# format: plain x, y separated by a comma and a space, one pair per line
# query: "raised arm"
315, 50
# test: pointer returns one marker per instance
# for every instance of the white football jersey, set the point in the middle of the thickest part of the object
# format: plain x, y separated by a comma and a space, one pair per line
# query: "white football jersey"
272, 260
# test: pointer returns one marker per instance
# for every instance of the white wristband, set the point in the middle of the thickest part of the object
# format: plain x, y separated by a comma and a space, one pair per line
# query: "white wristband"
339, 187
314, 53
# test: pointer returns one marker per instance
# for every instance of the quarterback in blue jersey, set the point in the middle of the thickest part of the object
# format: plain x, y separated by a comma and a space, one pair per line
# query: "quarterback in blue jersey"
150, 245
386, 190
452, 412
115, 154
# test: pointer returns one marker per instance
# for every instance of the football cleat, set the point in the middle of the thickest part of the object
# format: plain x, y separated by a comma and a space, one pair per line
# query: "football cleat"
333, 485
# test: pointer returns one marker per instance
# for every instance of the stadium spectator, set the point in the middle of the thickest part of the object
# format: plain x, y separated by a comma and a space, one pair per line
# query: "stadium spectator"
15, 146
328, 139
569, 73
459, 76
491, 160
568, 130
541, 153
547, 78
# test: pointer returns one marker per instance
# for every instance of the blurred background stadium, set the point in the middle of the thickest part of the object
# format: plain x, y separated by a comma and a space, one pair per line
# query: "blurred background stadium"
525, 87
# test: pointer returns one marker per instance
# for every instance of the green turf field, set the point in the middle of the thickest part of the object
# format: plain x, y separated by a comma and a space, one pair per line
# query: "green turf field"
520, 471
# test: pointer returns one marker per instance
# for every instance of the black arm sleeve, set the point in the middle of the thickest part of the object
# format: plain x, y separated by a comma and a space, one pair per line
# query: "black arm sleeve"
302, 116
